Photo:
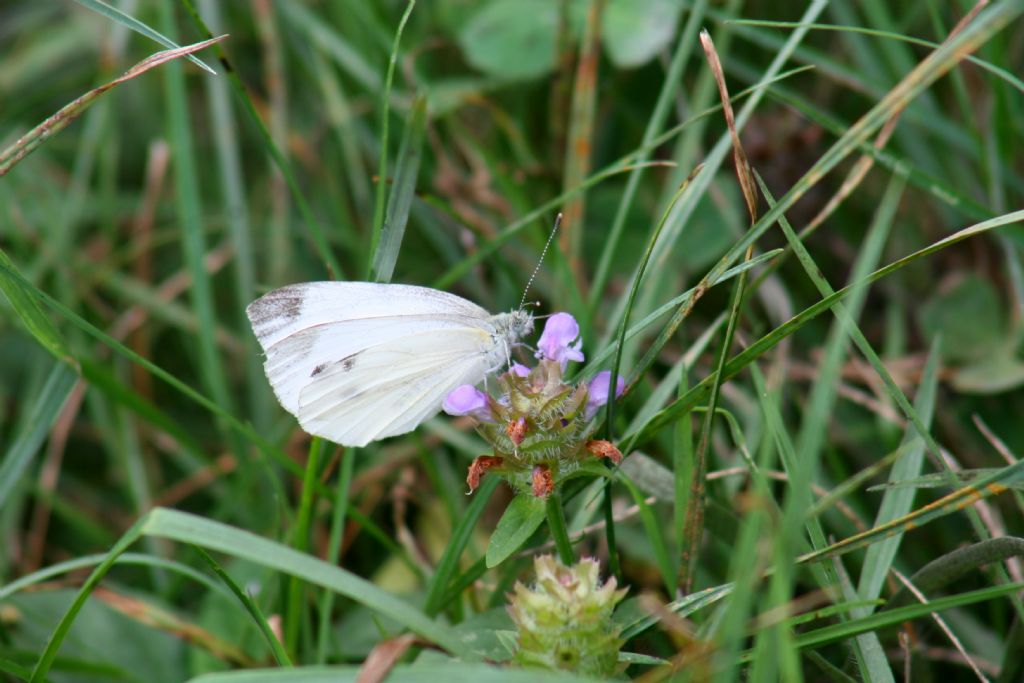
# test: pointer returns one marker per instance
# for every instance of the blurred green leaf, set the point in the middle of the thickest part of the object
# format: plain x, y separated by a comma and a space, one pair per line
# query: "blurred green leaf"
970, 318
521, 518
998, 372
512, 39
635, 31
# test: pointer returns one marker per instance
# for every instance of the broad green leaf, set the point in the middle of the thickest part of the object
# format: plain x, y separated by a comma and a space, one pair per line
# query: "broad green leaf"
449, 672
521, 518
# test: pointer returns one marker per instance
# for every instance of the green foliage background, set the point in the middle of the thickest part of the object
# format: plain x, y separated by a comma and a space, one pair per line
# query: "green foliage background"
783, 455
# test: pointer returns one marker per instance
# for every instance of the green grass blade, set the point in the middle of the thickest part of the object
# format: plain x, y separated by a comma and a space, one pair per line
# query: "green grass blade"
187, 528
47, 406
190, 215
385, 120
899, 502
86, 561
19, 294
250, 606
892, 618
449, 561
654, 535
964, 497
300, 541
135, 25
400, 200
341, 503
762, 345
673, 80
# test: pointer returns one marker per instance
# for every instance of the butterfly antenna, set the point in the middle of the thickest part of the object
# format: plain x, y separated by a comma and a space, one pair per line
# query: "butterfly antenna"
543, 252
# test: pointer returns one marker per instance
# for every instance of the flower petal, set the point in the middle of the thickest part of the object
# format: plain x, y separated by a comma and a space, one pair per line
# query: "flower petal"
559, 340
597, 391
468, 400
519, 370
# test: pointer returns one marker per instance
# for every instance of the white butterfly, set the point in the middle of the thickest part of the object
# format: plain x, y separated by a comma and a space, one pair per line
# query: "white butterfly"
359, 361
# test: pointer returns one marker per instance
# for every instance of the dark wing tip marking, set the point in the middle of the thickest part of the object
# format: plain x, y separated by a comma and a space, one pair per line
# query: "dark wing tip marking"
275, 309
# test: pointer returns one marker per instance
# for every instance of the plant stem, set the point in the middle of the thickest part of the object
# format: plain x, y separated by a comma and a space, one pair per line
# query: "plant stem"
556, 523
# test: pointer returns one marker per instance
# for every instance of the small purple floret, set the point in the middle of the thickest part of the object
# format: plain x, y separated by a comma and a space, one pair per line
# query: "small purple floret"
559, 341
468, 400
597, 392
519, 370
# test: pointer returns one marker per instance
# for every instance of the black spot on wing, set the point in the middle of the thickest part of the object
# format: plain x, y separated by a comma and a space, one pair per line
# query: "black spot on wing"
344, 365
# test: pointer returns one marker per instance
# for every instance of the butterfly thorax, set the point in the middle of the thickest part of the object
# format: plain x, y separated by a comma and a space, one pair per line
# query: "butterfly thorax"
513, 326
509, 328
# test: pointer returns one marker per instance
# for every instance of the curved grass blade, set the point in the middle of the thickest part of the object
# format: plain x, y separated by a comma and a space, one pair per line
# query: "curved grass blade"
29, 580
251, 607
27, 143
944, 570
19, 294
188, 528
134, 24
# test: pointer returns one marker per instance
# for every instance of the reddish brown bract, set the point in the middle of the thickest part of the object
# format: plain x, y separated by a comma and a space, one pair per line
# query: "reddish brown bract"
605, 449
478, 467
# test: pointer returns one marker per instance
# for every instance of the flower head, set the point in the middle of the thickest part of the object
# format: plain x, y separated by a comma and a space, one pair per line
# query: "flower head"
560, 340
564, 621
597, 391
468, 400
538, 424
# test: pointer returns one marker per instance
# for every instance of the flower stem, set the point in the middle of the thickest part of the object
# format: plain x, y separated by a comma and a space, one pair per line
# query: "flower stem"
556, 523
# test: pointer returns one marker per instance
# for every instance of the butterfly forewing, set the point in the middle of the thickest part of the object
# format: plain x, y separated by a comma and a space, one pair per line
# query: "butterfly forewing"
357, 361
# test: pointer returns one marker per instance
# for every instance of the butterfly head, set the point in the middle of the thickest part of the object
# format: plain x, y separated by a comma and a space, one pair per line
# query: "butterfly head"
519, 324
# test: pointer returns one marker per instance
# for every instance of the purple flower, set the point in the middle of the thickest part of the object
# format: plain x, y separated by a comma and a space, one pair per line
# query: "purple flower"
468, 400
557, 342
519, 370
597, 392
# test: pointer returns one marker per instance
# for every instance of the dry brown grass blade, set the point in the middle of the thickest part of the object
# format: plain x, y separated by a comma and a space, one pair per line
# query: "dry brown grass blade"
739, 156
383, 657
